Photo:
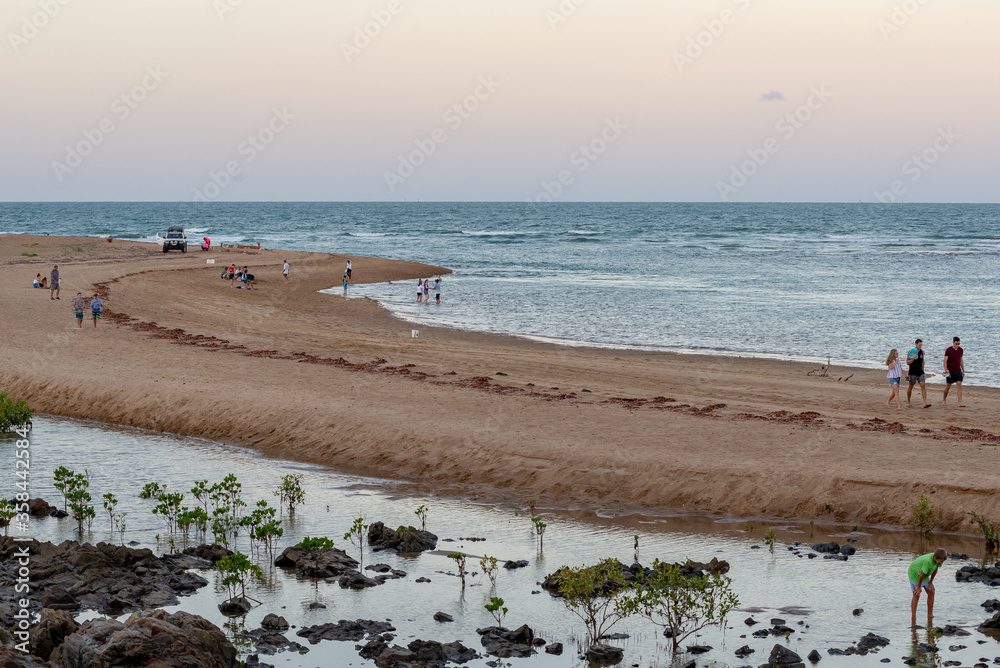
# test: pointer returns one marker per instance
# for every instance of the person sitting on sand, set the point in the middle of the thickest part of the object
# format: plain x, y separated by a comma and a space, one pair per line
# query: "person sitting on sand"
38, 281
922, 572
895, 375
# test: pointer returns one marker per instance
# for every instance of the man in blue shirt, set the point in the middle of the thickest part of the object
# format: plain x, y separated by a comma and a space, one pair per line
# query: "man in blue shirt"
96, 306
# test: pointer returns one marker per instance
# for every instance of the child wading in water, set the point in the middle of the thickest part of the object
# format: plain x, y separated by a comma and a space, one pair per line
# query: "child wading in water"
922, 572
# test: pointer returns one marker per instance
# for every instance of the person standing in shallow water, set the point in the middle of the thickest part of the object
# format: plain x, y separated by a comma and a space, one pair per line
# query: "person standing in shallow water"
921, 573
420, 293
915, 360
954, 366
895, 375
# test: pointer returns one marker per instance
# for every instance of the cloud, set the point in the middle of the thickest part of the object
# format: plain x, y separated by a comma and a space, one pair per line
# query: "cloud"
773, 96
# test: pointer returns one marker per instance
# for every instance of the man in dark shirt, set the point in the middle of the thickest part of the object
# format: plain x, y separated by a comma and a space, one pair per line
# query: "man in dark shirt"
916, 361
954, 366
54, 283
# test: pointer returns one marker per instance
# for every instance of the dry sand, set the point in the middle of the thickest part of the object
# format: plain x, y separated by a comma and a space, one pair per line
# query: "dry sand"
300, 375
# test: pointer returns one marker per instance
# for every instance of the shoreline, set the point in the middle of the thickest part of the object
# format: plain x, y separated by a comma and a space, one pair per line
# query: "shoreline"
339, 383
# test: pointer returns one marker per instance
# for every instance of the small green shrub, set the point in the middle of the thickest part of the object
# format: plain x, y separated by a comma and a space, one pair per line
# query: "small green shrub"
14, 413
238, 571
421, 512
923, 515
356, 536
490, 569
769, 539
460, 558
987, 530
594, 594
290, 492
495, 607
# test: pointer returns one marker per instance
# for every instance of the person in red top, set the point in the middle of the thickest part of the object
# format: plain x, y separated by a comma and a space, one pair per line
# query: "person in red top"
954, 366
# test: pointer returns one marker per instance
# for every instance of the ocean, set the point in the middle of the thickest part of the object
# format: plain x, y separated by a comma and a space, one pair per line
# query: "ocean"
785, 281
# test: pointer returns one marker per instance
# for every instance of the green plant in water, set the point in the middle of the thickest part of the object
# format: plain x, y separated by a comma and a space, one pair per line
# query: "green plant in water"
769, 539
8, 511
62, 479
635, 548
460, 558
152, 490
238, 571
120, 527
356, 536
110, 503
490, 569
495, 607
987, 530
314, 545
14, 413
595, 594
923, 515
290, 492
79, 502
683, 604
421, 512
749, 527
202, 493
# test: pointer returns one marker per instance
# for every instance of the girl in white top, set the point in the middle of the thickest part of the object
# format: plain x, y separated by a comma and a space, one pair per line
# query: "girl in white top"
894, 375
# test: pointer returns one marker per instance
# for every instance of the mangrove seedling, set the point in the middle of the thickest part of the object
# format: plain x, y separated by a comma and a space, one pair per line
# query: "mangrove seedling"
238, 571
202, 492
152, 490
769, 539
635, 548
460, 558
110, 503
923, 515
14, 414
79, 504
685, 604
290, 492
356, 536
595, 595
495, 608
120, 527
8, 511
539, 530
62, 479
987, 530
749, 527
490, 569
421, 512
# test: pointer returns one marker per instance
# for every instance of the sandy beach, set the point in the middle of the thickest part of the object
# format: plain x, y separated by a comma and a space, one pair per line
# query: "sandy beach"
314, 377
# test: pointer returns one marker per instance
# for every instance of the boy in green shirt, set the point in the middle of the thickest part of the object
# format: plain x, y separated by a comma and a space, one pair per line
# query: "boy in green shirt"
922, 572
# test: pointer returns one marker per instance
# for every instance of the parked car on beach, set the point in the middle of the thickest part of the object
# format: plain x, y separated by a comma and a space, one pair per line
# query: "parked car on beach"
176, 239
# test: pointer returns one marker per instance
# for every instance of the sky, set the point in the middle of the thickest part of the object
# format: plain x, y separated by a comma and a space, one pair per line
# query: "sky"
499, 100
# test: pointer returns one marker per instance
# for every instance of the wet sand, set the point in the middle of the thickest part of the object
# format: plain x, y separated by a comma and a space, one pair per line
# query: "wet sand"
314, 377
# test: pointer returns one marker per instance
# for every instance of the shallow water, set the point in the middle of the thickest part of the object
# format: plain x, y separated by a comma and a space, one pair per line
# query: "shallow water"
122, 460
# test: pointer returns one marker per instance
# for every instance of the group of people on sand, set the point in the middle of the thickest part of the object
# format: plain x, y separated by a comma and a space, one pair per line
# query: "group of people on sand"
424, 290
954, 367
241, 276
53, 283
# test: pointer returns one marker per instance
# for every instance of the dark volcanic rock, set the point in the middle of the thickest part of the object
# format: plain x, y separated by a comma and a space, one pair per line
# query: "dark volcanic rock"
952, 630
403, 539
269, 641
210, 553
511, 565
274, 622
784, 658
154, 638
992, 625
39, 508
317, 563
827, 548
989, 575
814, 656
431, 651
443, 617
505, 644
992, 605
53, 627
604, 654
554, 648
105, 577
847, 550
744, 651
699, 649
235, 607
870, 643
355, 580
344, 630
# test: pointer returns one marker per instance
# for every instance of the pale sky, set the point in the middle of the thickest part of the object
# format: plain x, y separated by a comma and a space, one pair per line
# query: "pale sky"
677, 100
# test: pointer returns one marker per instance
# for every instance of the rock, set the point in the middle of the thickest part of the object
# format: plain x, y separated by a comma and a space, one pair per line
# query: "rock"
154, 638
990, 575
750, 621
604, 654
395, 655
12, 658
52, 628
210, 553
784, 657
403, 539
871, 642
698, 649
511, 565
957, 648
269, 641
744, 651
554, 648
327, 563
927, 648
814, 657
958, 556
275, 622
372, 648
355, 580
777, 621
421, 580
992, 605
762, 633
992, 625
827, 548
847, 550
952, 630
505, 644
344, 630
857, 611
58, 513
104, 577
615, 636
235, 607
430, 651
316, 605
835, 557
443, 617
39, 508
253, 661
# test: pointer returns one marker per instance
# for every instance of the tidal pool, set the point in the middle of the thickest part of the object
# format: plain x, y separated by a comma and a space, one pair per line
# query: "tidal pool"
819, 593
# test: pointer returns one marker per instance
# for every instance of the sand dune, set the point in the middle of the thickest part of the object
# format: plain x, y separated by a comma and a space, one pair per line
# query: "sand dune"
313, 377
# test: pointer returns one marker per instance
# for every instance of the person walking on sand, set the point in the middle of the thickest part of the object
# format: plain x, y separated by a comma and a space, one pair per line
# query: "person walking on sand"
54, 282
954, 366
915, 360
437, 289
284, 271
349, 266
96, 306
78, 305
921, 573
895, 375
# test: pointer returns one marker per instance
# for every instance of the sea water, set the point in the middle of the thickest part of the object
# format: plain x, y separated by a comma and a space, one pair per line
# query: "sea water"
797, 281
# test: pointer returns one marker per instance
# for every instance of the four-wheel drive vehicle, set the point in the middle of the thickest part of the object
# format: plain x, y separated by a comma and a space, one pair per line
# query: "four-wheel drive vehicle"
175, 240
